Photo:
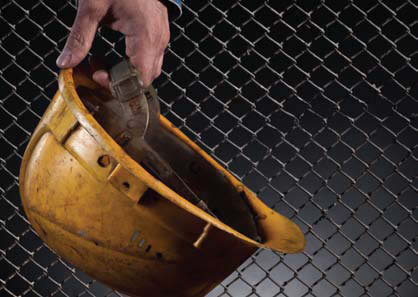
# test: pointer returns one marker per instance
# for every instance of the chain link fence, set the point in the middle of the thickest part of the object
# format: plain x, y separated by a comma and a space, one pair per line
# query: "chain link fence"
312, 104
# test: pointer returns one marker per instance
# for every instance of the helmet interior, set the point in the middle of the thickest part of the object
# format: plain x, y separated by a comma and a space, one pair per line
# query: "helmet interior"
195, 173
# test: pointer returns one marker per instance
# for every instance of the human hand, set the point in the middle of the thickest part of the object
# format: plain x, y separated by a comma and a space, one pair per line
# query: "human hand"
143, 22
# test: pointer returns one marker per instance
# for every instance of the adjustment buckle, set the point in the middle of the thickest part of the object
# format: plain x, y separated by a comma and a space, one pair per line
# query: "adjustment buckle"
125, 83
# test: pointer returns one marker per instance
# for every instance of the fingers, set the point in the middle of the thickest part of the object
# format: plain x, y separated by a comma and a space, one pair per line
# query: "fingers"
99, 74
142, 57
102, 78
150, 69
81, 36
147, 60
144, 24
146, 42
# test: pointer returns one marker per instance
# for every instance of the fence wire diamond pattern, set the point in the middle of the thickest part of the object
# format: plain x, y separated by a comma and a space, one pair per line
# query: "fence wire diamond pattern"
312, 104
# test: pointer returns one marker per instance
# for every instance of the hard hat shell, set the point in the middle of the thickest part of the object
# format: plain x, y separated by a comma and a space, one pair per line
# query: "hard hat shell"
104, 213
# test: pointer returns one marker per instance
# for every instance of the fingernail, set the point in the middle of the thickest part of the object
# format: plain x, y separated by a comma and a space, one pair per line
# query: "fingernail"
64, 59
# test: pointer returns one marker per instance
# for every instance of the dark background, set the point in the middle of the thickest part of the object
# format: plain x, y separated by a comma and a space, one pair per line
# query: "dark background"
312, 104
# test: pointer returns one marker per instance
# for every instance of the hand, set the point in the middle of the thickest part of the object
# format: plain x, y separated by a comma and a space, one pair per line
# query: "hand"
143, 22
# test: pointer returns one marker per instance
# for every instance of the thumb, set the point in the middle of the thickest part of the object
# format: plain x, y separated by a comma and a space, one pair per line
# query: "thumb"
80, 39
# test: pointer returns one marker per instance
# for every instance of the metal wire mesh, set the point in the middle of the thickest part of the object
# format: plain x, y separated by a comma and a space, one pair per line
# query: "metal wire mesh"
312, 104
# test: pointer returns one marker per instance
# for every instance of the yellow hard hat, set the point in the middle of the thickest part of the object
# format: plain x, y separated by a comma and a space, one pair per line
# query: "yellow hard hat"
118, 191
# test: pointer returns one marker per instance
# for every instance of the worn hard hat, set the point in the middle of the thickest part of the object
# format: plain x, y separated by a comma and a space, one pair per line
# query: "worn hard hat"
115, 189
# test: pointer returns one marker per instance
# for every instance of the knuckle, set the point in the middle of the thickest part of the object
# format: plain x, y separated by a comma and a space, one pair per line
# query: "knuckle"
76, 39
166, 38
162, 51
163, 38
161, 48
157, 73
